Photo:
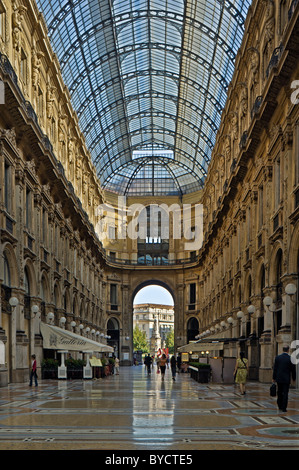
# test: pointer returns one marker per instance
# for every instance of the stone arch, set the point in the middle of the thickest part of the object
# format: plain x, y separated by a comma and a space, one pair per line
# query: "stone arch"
238, 294
29, 267
247, 290
44, 287
277, 249
57, 295
151, 282
260, 276
75, 307
67, 300
293, 253
9, 253
112, 324
192, 328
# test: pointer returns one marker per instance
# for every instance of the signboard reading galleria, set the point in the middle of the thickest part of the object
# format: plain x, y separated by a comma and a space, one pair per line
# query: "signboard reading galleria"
58, 338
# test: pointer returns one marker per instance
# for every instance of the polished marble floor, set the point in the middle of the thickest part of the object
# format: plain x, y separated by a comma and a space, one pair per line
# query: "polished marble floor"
132, 411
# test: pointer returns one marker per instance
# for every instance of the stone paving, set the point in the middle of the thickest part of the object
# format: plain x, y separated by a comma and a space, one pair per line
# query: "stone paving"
132, 411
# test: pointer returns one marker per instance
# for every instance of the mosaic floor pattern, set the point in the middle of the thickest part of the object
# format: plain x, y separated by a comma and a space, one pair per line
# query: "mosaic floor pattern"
132, 411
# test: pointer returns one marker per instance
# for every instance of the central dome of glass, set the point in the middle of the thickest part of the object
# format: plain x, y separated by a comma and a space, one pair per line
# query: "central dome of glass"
147, 78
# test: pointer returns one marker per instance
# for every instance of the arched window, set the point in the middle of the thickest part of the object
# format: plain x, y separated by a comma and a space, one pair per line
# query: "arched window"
192, 329
26, 282
7, 278
27, 294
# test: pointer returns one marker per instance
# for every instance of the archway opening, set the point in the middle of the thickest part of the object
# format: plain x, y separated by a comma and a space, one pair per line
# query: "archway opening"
153, 320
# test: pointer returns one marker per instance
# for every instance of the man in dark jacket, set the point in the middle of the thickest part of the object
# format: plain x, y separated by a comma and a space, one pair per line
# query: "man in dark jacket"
283, 371
148, 362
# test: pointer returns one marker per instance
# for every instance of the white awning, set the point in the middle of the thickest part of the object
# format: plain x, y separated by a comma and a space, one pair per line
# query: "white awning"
57, 338
196, 347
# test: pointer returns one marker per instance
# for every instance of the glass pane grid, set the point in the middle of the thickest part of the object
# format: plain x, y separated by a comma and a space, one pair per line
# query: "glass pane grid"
135, 80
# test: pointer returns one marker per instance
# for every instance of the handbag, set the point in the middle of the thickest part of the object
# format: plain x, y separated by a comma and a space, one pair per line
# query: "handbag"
273, 390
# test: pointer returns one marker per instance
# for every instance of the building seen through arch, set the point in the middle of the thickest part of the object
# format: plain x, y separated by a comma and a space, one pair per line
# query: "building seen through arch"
111, 110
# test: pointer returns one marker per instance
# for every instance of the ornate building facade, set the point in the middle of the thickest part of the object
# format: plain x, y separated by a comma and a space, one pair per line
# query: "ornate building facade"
52, 256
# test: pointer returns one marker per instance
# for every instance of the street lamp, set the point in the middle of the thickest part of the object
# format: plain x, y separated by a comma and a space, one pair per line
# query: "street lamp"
13, 302
290, 289
268, 301
34, 309
251, 309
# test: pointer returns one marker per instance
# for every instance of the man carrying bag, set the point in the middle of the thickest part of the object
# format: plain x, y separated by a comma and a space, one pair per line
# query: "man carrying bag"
283, 371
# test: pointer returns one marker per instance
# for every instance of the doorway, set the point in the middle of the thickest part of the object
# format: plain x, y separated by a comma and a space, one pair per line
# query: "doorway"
153, 320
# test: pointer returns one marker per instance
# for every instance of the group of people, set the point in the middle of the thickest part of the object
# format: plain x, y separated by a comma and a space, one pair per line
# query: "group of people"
284, 371
162, 364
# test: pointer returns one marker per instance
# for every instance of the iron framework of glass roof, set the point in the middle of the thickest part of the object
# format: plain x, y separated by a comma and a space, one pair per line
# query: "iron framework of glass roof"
147, 75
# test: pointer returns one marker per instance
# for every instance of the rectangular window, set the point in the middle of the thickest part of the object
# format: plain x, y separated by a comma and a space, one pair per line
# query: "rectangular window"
28, 208
45, 226
113, 294
248, 225
7, 186
277, 183
192, 294
261, 207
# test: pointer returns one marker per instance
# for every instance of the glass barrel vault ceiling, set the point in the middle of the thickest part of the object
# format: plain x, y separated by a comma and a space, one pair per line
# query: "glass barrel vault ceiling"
147, 75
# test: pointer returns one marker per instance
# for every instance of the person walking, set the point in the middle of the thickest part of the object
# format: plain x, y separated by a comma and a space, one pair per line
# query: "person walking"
283, 371
173, 367
148, 363
116, 366
240, 372
163, 365
179, 362
33, 371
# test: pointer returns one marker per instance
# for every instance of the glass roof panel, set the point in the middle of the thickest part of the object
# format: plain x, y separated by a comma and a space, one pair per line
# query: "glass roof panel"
147, 74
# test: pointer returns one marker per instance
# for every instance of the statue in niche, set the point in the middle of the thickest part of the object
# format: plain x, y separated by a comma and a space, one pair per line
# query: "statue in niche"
270, 26
17, 20
50, 100
84, 182
71, 151
78, 166
227, 148
61, 127
243, 100
234, 125
221, 166
36, 65
254, 60
90, 194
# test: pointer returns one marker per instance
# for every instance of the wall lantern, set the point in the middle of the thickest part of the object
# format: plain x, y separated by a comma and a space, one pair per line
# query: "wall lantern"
268, 301
13, 302
290, 289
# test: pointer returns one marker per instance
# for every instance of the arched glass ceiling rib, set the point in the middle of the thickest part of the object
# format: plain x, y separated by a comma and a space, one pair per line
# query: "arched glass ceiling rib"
146, 73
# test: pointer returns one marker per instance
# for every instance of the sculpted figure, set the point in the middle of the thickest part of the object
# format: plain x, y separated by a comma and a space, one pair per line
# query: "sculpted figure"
50, 100
254, 59
36, 65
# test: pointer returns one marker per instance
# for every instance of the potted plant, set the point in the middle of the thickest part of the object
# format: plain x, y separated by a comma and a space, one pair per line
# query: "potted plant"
74, 368
49, 368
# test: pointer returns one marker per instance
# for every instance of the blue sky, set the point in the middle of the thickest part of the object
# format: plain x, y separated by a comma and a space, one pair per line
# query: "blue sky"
154, 295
